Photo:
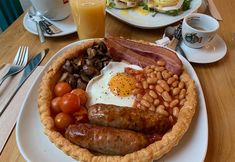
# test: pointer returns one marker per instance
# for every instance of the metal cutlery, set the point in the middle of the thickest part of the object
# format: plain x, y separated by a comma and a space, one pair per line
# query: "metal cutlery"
31, 66
213, 9
208, 7
175, 36
48, 27
43, 23
33, 15
178, 36
18, 64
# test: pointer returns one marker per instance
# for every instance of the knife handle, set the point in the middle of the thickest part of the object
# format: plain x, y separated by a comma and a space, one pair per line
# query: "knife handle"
40, 33
45, 28
173, 43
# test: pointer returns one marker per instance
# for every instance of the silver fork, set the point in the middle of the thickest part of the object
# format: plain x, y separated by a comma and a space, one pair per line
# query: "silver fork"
18, 64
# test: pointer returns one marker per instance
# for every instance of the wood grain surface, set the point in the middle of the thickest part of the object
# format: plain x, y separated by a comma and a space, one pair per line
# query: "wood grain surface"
217, 79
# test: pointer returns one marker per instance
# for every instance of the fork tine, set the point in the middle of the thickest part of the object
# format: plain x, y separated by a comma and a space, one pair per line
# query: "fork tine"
17, 56
20, 59
25, 58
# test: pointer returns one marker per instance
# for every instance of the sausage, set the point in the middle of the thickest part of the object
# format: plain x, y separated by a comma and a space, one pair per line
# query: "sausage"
106, 140
128, 118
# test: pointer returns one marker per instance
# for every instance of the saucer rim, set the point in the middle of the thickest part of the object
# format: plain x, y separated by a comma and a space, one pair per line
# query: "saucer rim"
221, 56
26, 26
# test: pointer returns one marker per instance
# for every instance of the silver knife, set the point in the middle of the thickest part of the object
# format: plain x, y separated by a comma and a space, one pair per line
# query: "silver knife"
213, 10
33, 63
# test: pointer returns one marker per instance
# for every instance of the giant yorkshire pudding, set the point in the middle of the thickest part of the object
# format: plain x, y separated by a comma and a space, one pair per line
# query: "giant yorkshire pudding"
116, 46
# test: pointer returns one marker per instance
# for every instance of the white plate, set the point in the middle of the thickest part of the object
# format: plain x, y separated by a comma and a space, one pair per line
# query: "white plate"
212, 52
66, 25
134, 18
35, 146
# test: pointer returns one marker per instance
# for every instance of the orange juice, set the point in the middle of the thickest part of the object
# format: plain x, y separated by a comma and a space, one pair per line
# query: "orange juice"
89, 16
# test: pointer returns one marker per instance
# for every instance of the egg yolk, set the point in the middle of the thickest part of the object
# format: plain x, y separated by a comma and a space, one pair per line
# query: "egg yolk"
122, 84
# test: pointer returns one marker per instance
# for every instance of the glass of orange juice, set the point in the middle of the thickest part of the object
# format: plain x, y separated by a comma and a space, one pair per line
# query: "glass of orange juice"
89, 17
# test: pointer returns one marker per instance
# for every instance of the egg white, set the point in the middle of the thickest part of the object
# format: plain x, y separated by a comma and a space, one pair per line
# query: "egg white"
98, 89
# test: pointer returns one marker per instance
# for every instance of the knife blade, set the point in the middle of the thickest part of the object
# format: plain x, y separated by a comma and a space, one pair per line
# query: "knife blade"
213, 10
30, 67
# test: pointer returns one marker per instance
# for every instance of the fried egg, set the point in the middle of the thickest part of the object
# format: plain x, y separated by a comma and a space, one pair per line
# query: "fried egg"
112, 86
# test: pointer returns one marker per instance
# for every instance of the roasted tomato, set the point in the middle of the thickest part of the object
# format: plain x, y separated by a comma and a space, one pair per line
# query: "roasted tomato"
63, 120
69, 103
55, 105
62, 88
81, 94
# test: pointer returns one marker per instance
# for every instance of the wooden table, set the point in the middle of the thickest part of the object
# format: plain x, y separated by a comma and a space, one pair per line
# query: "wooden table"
217, 79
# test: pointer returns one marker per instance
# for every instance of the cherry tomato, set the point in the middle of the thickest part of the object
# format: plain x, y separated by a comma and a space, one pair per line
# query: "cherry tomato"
62, 88
55, 107
69, 103
63, 120
81, 94
81, 116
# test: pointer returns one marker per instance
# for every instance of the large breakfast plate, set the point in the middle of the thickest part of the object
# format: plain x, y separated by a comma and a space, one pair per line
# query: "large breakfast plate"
140, 20
35, 146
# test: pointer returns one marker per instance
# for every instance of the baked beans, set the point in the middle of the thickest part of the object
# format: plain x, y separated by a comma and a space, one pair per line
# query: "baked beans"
159, 90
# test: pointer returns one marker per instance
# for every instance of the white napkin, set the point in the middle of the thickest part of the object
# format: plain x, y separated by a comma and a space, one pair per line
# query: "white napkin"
9, 117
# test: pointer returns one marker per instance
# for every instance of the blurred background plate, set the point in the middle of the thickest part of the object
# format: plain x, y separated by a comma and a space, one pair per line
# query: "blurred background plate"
137, 19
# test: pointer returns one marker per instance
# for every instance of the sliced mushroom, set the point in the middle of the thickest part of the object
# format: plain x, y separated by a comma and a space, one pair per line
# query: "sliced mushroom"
84, 77
102, 47
104, 58
81, 84
90, 61
79, 61
105, 63
91, 53
64, 77
89, 70
76, 76
72, 81
100, 53
67, 66
99, 65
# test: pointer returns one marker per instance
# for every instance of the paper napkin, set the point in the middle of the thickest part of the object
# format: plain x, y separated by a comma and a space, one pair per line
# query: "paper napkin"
9, 117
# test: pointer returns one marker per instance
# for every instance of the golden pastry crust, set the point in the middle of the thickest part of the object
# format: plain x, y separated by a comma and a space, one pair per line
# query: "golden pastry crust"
154, 151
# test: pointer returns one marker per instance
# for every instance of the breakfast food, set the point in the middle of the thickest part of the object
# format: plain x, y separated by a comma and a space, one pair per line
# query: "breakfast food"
112, 85
170, 7
124, 4
106, 140
148, 109
128, 118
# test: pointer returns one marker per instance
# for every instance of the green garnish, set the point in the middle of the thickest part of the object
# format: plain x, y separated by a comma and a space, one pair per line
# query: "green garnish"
111, 5
155, 13
173, 12
186, 5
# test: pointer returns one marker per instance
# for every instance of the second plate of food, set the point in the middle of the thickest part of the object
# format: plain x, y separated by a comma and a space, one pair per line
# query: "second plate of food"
147, 20
30, 134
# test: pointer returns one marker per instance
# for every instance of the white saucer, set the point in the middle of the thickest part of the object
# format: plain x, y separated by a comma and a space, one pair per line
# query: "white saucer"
67, 26
212, 52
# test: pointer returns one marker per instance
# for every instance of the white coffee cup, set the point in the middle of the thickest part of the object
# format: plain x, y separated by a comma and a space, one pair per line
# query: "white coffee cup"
52, 9
198, 30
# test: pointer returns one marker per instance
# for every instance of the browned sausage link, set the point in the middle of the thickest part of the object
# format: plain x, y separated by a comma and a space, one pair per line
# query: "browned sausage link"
128, 118
106, 140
